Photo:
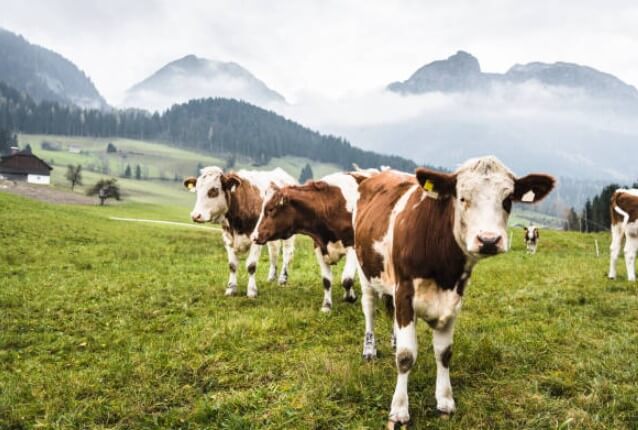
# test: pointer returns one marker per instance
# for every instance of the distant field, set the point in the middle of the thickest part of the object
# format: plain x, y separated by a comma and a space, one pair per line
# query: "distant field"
155, 159
115, 325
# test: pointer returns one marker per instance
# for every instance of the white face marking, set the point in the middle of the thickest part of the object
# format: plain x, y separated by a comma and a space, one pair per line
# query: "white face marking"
211, 202
482, 186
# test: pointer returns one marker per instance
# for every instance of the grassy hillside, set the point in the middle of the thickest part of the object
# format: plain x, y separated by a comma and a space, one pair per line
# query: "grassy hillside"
157, 161
108, 324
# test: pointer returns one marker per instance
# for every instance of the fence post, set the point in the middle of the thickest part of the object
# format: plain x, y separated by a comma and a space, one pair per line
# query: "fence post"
510, 241
597, 250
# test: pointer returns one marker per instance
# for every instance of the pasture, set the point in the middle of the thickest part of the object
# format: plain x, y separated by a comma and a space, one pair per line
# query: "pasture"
114, 325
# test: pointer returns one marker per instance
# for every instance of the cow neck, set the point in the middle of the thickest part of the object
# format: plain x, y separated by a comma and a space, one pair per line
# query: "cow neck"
429, 249
244, 205
313, 217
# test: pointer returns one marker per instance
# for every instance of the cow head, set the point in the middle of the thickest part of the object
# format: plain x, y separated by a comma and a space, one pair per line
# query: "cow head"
212, 188
278, 217
531, 233
482, 191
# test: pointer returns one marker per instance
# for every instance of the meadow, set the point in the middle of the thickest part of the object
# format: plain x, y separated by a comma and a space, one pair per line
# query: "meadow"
113, 325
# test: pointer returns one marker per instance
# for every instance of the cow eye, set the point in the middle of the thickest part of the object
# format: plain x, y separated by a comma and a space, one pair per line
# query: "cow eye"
507, 204
213, 192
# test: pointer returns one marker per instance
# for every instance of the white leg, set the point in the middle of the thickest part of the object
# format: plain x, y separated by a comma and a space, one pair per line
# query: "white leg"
326, 275
616, 243
273, 254
251, 267
631, 245
233, 263
405, 359
367, 305
289, 251
442, 343
347, 277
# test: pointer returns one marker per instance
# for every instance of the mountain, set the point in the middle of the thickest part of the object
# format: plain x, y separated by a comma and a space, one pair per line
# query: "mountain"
462, 72
212, 126
191, 78
44, 74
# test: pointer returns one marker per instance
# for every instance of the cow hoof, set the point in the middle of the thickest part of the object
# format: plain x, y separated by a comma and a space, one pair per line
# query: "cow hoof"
397, 425
369, 356
349, 298
326, 309
283, 280
231, 291
270, 278
445, 407
251, 293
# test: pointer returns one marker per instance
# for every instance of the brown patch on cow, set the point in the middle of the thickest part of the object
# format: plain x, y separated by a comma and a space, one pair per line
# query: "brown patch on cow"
378, 195
404, 304
444, 184
232, 267
405, 361
446, 356
244, 203
625, 201
251, 268
435, 254
316, 209
326, 284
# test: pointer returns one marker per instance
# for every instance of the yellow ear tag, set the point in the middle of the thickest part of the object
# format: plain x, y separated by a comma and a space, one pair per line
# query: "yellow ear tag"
428, 186
190, 185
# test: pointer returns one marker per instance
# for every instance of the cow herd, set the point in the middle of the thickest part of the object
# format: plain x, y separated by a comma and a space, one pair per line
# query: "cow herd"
412, 239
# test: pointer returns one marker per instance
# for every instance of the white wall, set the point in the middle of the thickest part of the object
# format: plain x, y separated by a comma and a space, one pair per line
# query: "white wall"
39, 179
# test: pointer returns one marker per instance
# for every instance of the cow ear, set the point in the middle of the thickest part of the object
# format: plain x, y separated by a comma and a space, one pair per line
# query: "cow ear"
436, 183
525, 229
230, 182
190, 183
532, 188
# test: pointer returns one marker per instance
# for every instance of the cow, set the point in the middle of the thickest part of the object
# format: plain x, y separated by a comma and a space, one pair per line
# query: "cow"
321, 209
624, 223
417, 240
235, 200
531, 239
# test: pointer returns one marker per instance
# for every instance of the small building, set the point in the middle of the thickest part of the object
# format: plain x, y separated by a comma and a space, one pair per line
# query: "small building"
75, 149
22, 166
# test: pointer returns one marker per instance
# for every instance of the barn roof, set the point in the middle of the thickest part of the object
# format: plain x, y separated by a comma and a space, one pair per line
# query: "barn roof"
23, 163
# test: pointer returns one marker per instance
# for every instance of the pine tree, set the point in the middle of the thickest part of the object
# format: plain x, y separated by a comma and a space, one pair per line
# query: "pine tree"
127, 171
306, 174
138, 172
110, 148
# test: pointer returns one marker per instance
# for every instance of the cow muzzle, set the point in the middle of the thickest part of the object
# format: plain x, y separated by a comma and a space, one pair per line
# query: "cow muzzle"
490, 243
258, 239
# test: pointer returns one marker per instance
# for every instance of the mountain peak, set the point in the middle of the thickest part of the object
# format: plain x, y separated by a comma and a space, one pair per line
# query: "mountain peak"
192, 77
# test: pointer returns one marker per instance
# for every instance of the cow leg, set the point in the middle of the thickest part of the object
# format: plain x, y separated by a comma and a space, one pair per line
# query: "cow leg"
326, 275
233, 262
289, 250
251, 267
273, 254
405, 329
347, 277
367, 305
616, 243
631, 245
442, 343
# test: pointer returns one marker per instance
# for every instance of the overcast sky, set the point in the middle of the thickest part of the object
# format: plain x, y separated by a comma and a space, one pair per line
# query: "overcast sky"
325, 48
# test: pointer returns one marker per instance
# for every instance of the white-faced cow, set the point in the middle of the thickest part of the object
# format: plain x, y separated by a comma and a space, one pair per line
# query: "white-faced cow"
234, 200
417, 240
321, 209
624, 224
531, 238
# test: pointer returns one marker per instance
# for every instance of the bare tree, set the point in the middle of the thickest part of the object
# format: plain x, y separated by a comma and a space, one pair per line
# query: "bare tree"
74, 175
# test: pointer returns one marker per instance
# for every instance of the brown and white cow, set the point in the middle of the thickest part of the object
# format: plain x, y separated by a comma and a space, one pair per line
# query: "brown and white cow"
323, 210
624, 224
531, 238
417, 240
235, 200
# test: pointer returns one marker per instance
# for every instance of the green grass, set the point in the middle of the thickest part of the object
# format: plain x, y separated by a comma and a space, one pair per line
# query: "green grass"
157, 161
116, 325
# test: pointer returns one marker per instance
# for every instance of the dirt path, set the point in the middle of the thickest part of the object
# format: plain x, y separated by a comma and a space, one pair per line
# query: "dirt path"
46, 193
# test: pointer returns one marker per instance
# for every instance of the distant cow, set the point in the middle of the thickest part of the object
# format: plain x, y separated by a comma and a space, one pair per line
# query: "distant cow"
531, 238
234, 200
417, 241
321, 209
624, 223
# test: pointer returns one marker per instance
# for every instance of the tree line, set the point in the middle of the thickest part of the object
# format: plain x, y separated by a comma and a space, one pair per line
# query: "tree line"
211, 125
595, 214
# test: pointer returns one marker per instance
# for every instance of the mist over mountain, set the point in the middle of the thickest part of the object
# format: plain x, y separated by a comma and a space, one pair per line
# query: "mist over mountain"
44, 74
461, 72
191, 78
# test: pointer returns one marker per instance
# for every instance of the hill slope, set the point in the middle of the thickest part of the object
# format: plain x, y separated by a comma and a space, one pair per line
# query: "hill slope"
195, 78
44, 74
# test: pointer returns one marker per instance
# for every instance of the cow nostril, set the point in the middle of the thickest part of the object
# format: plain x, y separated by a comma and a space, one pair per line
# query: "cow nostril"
489, 239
